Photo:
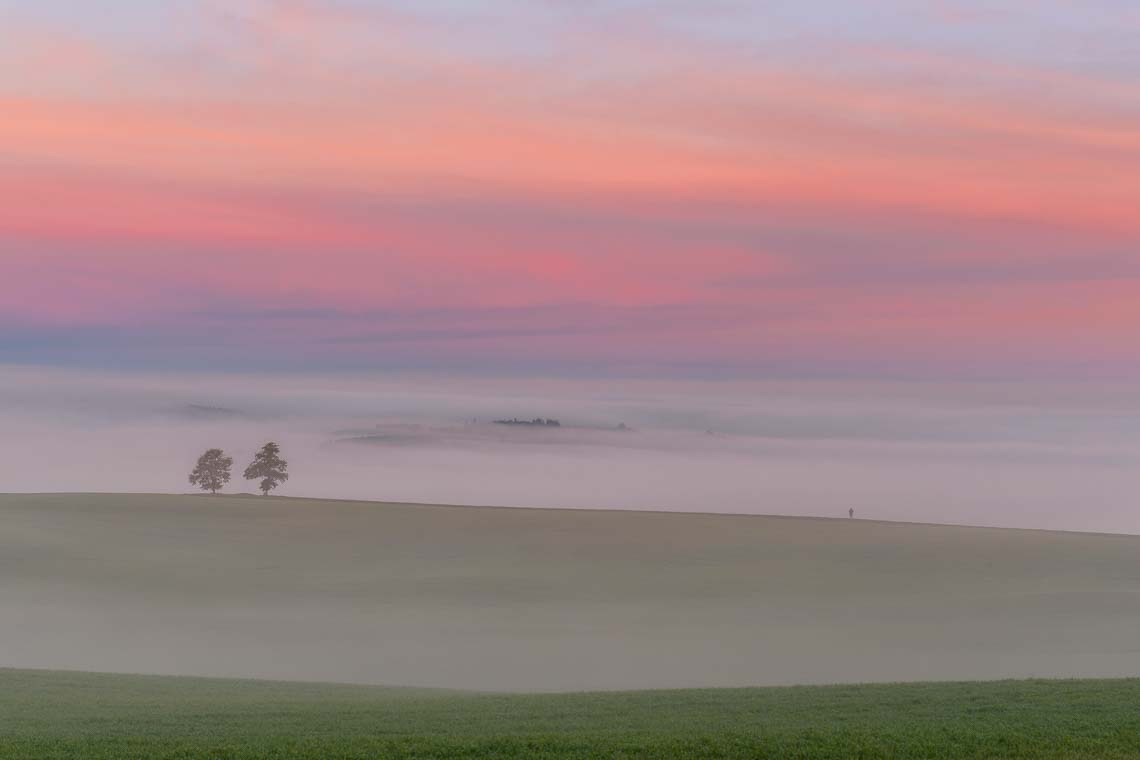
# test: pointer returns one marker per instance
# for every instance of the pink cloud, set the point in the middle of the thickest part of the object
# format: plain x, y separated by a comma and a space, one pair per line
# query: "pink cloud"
320, 165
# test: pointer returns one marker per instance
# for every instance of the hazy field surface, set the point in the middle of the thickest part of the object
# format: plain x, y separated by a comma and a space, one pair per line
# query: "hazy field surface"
549, 600
87, 716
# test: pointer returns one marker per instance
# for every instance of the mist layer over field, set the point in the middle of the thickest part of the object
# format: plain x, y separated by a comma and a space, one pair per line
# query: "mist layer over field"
1004, 454
540, 599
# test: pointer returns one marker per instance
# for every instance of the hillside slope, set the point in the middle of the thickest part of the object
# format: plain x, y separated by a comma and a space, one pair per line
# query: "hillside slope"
513, 599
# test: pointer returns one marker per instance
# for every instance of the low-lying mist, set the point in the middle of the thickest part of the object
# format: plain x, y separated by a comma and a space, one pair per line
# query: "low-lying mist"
1059, 457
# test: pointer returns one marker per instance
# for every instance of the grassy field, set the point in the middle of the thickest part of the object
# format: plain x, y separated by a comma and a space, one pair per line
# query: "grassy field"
83, 715
549, 600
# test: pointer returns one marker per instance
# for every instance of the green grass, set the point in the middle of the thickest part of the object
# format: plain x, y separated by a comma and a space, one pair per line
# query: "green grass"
46, 714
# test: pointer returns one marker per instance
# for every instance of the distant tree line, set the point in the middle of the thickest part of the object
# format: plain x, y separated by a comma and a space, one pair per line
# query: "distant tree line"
535, 421
212, 471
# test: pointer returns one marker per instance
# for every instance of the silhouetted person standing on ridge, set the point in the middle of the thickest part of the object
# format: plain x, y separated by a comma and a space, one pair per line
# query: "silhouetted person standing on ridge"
851, 513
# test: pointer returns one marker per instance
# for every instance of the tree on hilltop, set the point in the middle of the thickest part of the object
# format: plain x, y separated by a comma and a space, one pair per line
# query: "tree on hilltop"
212, 471
268, 465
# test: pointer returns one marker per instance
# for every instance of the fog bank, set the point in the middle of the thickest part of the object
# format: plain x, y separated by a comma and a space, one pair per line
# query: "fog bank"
1059, 457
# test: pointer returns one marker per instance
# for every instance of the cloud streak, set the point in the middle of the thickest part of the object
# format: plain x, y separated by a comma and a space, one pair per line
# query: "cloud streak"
914, 193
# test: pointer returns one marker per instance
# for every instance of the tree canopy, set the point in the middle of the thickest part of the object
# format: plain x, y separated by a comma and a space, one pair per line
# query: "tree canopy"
212, 471
269, 467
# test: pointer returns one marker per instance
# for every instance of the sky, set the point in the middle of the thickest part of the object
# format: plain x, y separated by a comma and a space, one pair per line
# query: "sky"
702, 188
